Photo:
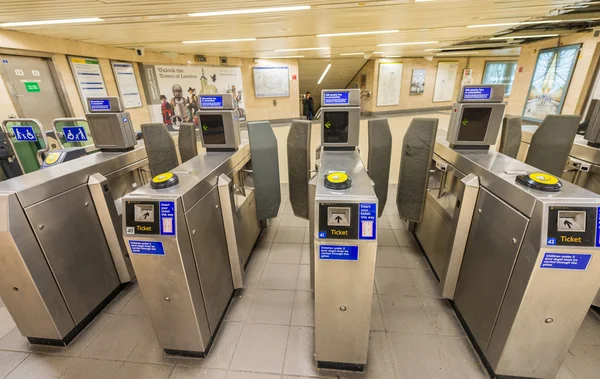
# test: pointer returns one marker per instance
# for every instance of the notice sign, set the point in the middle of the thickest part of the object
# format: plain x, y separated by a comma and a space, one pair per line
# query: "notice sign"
88, 77
127, 84
32, 86
336, 98
147, 247
338, 253
99, 105
477, 93
211, 101
167, 218
75, 134
563, 261
368, 221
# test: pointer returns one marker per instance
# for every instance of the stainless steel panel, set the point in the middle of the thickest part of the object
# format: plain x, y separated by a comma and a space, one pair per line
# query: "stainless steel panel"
247, 226
494, 240
227, 208
72, 240
312, 189
436, 222
210, 251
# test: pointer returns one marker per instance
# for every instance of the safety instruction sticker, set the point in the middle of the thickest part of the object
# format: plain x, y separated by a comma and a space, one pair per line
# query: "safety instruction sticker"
75, 134
211, 101
147, 247
367, 221
338, 253
566, 261
336, 98
167, 218
24, 133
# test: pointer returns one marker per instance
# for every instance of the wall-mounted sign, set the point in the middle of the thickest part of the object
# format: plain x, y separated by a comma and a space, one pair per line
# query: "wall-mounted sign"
88, 77
417, 82
388, 87
127, 84
271, 81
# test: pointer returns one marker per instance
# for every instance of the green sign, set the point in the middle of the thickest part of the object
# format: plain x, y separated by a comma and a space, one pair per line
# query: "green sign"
32, 86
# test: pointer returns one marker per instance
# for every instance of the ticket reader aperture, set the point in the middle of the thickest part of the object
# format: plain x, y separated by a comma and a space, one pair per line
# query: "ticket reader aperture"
341, 119
219, 122
111, 127
477, 117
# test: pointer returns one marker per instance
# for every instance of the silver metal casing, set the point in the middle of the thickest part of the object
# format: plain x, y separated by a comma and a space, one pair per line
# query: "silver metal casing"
458, 134
228, 138
340, 119
112, 131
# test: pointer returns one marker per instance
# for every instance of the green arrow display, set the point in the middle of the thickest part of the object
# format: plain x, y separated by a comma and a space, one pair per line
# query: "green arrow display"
205, 127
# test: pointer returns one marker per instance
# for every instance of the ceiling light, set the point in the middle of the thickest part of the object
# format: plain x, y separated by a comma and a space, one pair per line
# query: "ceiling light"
459, 53
408, 43
358, 33
379, 52
394, 56
284, 57
304, 49
531, 36
515, 23
51, 22
433, 49
352, 54
222, 40
324, 73
249, 11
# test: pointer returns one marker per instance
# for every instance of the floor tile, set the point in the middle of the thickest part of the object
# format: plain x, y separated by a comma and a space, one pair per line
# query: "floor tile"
289, 235
268, 234
395, 281
426, 283
396, 222
135, 306
261, 348
419, 356
6, 322
240, 305
414, 258
386, 238
303, 282
14, 341
1, 302
299, 358
143, 371
279, 277
443, 317
253, 274
83, 368
290, 220
221, 353
380, 363
405, 314
119, 338
404, 237
288, 253
589, 332
306, 235
9, 360
261, 252
38, 366
462, 358
271, 307
585, 363
390, 256
287, 209
391, 209
305, 258
383, 223
250, 375
376, 315
122, 298
149, 351
303, 313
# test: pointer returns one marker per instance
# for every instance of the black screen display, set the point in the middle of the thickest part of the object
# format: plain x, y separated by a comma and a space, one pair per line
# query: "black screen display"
336, 127
213, 130
473, 124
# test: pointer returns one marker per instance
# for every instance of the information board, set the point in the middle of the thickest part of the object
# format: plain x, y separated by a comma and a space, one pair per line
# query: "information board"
445, 81
271, 81
211, 101
389, 83
127, 84
88, 77
336, 98
338, 253
477, 93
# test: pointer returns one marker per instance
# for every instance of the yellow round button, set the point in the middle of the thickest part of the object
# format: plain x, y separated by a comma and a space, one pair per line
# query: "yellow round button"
162, 177
52, 158
542, 178
337, 177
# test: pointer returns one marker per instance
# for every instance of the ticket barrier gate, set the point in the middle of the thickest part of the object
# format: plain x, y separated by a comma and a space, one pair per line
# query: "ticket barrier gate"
341, 202
513, 252
190, 232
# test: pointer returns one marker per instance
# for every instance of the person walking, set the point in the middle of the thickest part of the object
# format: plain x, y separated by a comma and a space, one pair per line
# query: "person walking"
309, 106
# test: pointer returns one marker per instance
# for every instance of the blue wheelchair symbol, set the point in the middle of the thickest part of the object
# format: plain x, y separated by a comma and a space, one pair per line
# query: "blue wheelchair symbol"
75, 134
551, 242
24, 133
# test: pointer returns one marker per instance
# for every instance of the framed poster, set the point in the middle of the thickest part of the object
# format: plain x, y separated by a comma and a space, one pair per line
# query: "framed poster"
445, 81
127, 84
550, 83
271, 81
500, 72
88, 77
388, 87
417, 82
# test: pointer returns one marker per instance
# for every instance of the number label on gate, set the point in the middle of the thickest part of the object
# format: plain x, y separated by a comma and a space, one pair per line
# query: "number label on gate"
24, 133
75, 134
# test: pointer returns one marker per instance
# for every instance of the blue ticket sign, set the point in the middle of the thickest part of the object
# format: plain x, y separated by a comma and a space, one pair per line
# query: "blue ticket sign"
338, 253
211, 101
75, 134
24, 133
147, 247
167, 218
564, 261
367, 214
336, 98
477, 93
99, 105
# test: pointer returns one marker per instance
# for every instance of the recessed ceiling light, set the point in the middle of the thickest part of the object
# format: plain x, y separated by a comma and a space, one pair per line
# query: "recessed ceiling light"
249, 11
51, 22
358, 33
515, 23
408, 43
324, 74
352, 54
304, 49
519, 36
222, 40
284, 57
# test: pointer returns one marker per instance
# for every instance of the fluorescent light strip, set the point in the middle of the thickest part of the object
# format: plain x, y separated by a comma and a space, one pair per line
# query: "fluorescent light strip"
221, 40
303, 49
284, 57
393, 56
515, 23
408, 43
324, 73
531, 36
250, 11
358, 33
352, 54
459, 53
51, 22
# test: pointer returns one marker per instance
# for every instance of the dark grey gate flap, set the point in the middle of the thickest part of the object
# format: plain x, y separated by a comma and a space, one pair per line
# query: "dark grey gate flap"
551, 143
162, 155
265, 165
512, 131
298, 154
380, 155
188, 145
417, 153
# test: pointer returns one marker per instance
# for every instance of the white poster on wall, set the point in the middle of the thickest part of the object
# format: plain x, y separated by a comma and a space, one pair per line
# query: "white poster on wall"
390, 80
172, 91
271, 81
445, 81
127, 84
88, 77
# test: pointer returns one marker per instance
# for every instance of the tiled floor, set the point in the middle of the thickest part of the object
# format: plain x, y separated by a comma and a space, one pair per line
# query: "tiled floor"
268, 332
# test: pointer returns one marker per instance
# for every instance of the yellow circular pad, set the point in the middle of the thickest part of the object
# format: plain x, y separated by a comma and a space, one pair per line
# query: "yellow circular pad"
162, 177
542, 178
337, 177
52, 158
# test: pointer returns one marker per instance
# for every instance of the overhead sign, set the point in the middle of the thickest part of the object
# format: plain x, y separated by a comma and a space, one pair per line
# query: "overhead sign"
336, 98
338, 253
147, 247
99, 105
564, 261
24, 133
75, 134
477, 93
211, 101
